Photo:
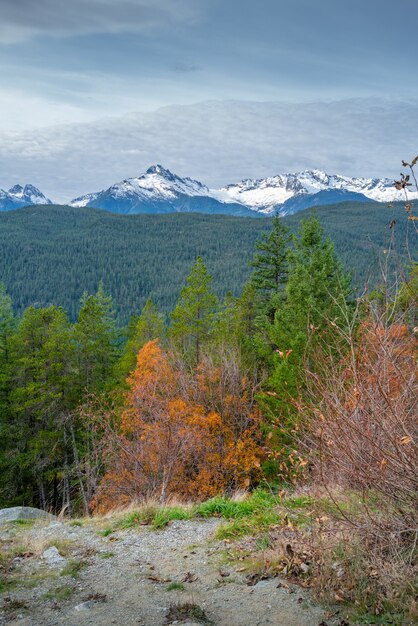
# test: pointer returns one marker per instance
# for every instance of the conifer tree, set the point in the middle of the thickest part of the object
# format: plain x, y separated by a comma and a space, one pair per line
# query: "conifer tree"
270, 265
193, 317
149, 325
95, 337
7, 439
41, 399
315, 299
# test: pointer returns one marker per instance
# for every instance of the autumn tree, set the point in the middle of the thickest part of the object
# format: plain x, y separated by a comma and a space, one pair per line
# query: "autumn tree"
170, 443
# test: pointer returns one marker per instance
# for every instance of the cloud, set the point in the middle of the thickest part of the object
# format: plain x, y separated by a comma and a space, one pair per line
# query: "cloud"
25, 19
215, 142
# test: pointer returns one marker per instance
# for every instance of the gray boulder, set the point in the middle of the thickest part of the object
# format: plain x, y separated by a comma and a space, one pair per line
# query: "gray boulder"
53, 558
16, 513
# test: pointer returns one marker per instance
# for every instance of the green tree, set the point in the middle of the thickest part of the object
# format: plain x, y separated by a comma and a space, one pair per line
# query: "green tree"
148, 326
193, 318
7, 440
270, 265
96, 342
41, 400
315, 300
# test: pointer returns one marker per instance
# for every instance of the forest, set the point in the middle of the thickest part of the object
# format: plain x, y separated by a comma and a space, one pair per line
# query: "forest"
295, 378
52, 254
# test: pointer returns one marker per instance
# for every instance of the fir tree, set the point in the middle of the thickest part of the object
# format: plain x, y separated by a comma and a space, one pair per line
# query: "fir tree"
193, 318
270, 265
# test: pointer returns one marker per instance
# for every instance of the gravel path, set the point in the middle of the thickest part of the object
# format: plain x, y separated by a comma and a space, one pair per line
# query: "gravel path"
125, 579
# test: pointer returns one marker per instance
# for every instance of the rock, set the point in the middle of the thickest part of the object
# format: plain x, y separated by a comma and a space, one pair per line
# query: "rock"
53, 558
16, 513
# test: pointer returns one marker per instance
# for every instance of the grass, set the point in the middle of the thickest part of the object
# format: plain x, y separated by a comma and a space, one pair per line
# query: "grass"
187, 611
250, 525
106, 532
73, 568
175, 587
64, 592
106, 555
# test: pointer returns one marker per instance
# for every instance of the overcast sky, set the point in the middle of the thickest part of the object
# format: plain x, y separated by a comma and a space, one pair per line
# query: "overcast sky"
79, 61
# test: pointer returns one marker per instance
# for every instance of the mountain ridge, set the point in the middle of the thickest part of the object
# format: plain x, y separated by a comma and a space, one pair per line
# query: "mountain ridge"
19, 196
158, 190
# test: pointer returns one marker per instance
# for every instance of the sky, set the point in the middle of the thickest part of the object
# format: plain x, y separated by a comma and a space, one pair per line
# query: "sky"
94, 66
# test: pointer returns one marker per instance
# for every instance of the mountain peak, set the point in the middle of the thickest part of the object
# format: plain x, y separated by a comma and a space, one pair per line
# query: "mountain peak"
160, 170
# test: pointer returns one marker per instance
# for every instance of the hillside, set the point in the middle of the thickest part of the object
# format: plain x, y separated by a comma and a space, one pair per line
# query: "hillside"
51, 254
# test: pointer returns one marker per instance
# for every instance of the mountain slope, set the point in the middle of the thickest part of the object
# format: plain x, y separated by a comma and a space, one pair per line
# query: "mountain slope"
51, 254
19, 196
160, 191
283, 192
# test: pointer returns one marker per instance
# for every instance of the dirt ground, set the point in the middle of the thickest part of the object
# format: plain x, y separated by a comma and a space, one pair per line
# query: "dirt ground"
134, 577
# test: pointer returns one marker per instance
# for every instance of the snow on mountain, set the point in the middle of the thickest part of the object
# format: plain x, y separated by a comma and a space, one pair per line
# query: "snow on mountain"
267, 194
19, 196
157, 183
159, 190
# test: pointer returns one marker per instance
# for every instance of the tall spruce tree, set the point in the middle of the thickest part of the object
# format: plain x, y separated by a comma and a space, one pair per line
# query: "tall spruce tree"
42, 397
149, 325
7, 434
193, 318
96, 342
270, 265
315, 300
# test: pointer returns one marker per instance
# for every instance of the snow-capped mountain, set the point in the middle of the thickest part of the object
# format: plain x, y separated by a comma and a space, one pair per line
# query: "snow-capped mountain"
160, 191
277, 192
19, 196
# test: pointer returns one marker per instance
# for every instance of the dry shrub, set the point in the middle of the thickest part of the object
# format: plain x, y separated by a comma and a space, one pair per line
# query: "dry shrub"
361, 436
363, 429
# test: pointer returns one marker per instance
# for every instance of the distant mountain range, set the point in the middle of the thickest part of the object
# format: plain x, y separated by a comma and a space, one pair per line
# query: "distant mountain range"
160, 191
19, 196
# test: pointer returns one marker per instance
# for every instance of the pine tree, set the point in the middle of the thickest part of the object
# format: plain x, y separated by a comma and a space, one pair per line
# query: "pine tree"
7, 434
148, 326
193, 317
42, 397
315, 299
95, 337
270, 265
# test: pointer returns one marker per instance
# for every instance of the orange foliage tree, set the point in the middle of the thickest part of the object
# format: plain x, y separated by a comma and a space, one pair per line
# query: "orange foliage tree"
173, 441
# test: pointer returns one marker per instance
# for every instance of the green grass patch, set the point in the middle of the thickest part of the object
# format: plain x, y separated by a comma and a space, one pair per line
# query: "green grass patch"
219, 506
59, 593
7, 583
75, 522
105, 533
251, 525
169, 514
141, 517
299, 502
175, 587
73, 568
106, 555
22, 522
